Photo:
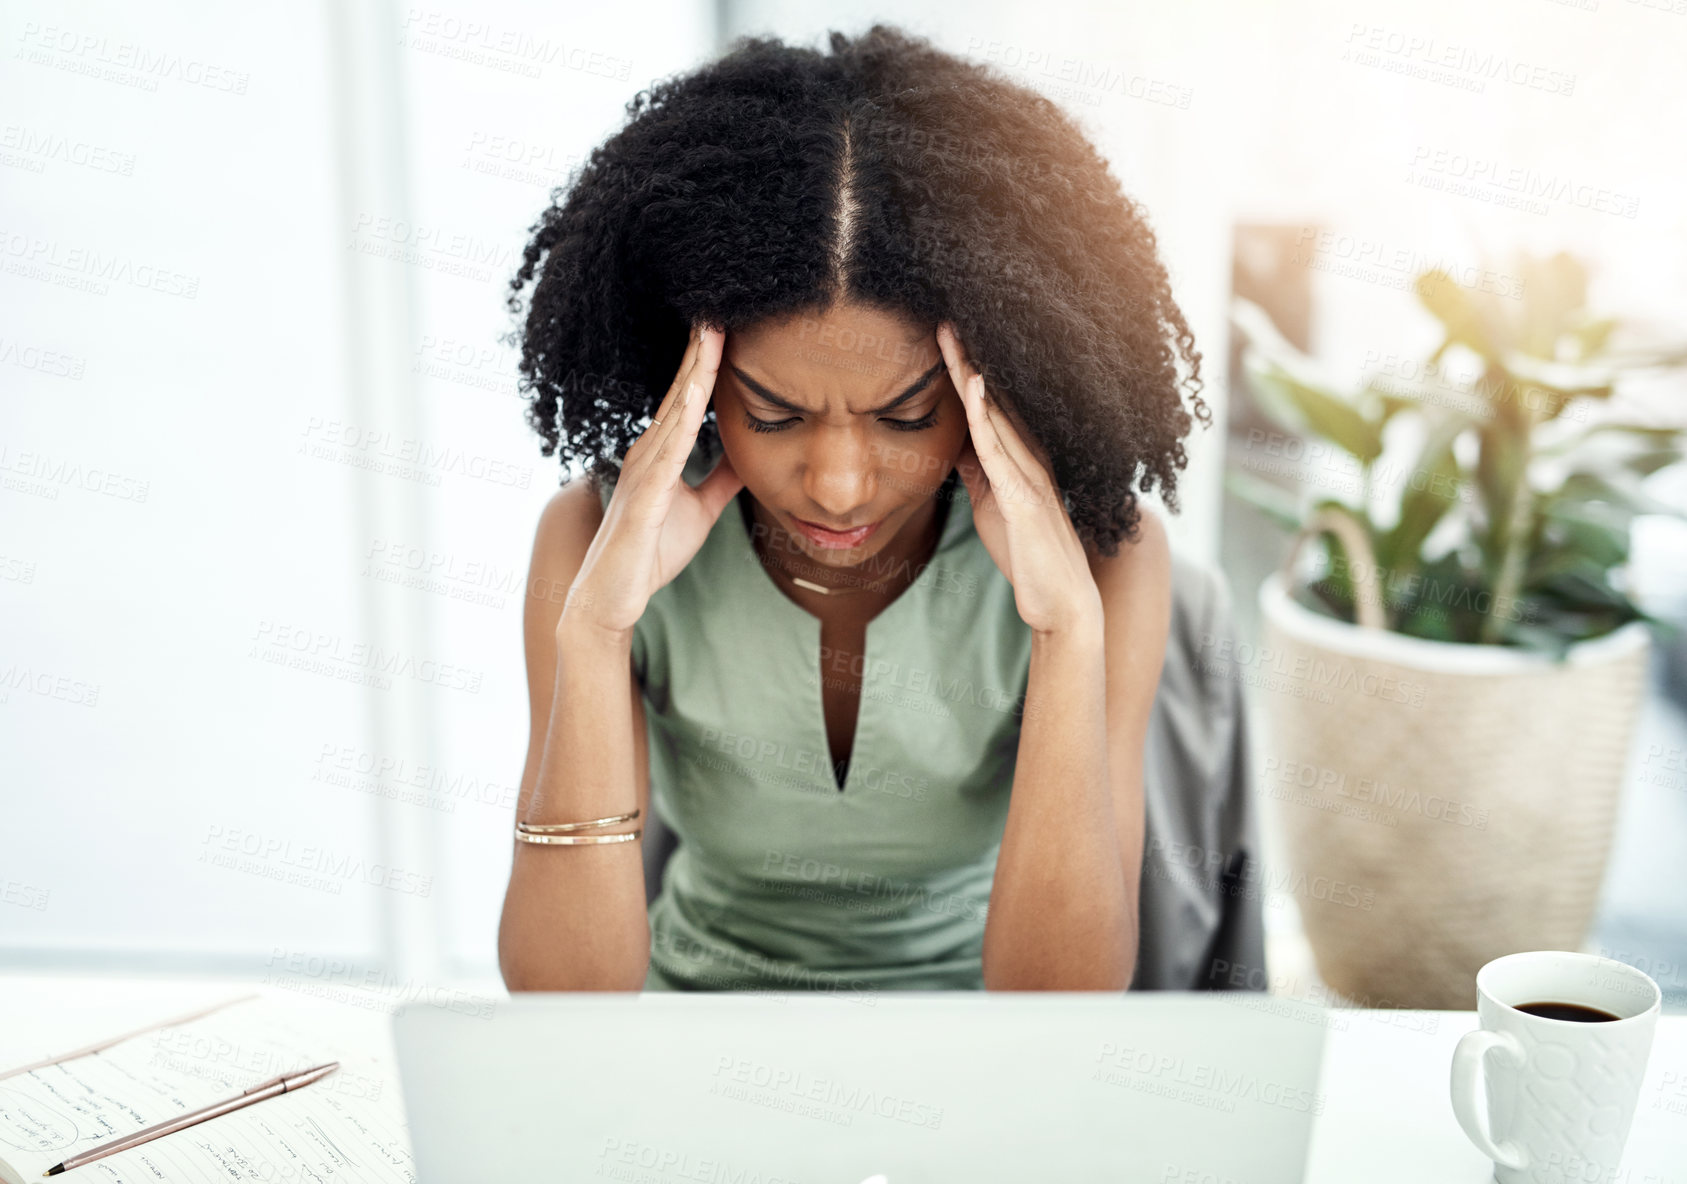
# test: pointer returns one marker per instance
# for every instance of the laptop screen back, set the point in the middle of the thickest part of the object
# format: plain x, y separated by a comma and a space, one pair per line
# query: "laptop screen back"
1179, 1088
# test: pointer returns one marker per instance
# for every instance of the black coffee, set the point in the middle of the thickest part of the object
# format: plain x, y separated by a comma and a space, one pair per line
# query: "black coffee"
1574, 1012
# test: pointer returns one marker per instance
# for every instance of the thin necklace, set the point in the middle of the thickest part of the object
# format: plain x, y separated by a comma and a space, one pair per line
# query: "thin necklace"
822, 589
842, 590
825, 591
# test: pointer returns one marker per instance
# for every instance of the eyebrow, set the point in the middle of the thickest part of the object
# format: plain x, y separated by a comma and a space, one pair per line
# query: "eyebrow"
919, 385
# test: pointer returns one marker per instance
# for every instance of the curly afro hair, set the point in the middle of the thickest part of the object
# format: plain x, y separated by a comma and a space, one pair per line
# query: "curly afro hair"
780, 179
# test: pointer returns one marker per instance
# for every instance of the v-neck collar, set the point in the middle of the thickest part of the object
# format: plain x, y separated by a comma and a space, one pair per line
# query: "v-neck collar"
955, 521
808, 627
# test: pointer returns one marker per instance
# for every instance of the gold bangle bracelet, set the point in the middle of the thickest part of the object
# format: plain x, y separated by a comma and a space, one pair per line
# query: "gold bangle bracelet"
561, 828
623, 837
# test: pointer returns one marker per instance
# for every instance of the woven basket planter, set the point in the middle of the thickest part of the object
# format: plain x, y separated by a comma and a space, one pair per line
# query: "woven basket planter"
1442, 804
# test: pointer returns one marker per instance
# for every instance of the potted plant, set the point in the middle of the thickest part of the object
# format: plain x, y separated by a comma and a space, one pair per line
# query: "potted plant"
1457, 683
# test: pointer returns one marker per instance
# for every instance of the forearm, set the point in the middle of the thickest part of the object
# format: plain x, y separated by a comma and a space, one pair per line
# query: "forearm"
574, 915
1063, 907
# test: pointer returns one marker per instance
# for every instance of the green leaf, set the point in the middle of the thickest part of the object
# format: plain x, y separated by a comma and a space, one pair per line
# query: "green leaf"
1431, 623
1554, 290
1422, 399
1306, 410
1431, 488
1275, 502
1390, 403
1438, 601
1569, 544
1548, 623
1584, 586
1568, 379
1543, 639
1647, 463
1661, 437
1506, 397
1500, 464
1334, 588
1262, 333
1551, 561
1616, 490
1452, 306
1646, 356
1592, 336
1324, 597
1550, 402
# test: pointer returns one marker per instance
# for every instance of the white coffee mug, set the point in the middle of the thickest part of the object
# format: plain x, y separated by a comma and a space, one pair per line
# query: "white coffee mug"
1560, 1093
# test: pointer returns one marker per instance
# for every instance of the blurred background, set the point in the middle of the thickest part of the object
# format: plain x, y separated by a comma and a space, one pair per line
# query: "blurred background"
267, 496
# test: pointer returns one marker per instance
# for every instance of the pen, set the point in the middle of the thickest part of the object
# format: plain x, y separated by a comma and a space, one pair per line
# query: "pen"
267, 1089
105, 1044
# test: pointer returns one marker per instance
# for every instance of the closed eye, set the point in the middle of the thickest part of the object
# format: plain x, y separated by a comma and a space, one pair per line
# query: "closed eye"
925, 421
914, 425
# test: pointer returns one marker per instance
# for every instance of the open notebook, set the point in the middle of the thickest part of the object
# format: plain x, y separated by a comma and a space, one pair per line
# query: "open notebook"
347, 1126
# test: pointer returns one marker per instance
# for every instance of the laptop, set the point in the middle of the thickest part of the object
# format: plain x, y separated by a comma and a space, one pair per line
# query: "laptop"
916, 1086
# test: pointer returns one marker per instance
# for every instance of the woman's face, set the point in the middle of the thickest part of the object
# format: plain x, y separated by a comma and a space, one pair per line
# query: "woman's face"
841, 420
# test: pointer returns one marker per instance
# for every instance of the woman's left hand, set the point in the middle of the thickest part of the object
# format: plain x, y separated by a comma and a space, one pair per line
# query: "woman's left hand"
1017, 508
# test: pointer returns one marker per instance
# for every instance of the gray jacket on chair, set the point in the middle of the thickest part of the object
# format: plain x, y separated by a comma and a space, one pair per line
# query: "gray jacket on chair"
1202, 920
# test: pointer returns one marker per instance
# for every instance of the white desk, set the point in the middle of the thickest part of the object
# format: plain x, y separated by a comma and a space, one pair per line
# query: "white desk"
1387, 1120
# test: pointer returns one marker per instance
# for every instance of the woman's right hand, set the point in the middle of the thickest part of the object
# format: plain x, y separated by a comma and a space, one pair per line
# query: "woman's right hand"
654, 523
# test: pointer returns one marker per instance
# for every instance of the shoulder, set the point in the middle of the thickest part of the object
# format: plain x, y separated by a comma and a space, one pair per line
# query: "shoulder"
1136, 604
568, 522
574, 510
1140, 566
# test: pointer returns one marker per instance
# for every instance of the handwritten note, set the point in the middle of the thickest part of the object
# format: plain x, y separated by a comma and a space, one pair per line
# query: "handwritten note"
348, 1126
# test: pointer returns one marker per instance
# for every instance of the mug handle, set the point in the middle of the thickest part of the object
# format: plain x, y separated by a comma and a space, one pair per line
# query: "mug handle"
1467, 1078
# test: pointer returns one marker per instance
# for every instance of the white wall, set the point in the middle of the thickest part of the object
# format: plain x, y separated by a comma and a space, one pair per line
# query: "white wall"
203, 463
152, 492
263, 287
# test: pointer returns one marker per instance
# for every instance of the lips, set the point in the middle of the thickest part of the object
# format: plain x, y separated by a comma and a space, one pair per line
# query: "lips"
837, 540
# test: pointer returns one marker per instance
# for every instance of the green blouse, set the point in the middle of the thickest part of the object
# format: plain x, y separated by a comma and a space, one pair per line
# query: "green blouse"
783, 879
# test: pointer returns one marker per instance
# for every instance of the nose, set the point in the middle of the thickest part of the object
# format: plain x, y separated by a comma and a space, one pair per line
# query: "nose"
838, 475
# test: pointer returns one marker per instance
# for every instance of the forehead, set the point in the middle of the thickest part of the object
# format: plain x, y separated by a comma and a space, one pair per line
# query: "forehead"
858, 354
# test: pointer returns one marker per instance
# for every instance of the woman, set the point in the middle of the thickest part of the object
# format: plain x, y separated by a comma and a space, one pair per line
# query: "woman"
869, 600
